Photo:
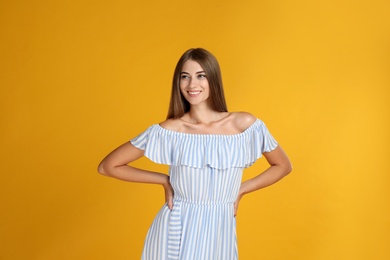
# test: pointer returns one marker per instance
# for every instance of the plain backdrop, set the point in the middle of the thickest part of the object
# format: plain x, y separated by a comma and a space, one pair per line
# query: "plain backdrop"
79, 78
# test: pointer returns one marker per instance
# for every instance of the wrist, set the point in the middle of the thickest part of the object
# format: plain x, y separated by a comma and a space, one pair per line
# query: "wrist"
166, 182
243, 189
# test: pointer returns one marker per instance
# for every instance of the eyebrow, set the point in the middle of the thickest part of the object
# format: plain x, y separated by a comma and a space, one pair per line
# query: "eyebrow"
183, 72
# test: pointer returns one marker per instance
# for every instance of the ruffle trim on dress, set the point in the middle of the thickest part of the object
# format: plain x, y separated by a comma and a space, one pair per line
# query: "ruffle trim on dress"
240, 150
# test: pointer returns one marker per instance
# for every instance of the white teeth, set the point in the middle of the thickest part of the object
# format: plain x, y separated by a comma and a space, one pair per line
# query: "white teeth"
193, 92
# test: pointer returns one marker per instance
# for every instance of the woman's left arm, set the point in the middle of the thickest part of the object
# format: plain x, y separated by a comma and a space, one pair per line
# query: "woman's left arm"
280, 166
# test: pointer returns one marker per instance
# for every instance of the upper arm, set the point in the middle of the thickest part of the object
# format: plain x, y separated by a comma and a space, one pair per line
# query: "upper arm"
124, 154
278, 157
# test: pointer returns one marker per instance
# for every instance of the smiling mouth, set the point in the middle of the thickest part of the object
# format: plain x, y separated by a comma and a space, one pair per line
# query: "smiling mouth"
193, 92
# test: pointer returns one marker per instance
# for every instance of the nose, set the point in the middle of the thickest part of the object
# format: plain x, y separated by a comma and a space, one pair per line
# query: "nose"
194, 82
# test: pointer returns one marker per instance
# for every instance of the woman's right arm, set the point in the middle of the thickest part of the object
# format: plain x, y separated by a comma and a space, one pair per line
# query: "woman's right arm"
115, 165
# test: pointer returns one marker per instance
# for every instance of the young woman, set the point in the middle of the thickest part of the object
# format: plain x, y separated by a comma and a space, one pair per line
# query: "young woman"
207, 149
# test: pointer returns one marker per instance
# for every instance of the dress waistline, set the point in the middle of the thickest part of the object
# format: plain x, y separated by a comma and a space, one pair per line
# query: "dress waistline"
201, 203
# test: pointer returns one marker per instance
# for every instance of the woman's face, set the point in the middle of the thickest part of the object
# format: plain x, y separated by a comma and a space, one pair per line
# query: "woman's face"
194, 85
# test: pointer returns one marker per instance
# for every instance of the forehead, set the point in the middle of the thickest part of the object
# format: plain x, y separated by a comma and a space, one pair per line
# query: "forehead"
191, 66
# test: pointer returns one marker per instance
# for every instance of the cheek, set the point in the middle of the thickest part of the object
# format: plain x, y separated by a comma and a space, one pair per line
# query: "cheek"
207, 88
182, 89
183, 84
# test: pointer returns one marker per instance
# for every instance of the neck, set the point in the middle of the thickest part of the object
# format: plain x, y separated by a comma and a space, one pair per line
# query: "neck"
202, 115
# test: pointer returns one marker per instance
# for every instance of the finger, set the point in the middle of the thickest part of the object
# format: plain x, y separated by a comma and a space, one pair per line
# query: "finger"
235, 208
170, 203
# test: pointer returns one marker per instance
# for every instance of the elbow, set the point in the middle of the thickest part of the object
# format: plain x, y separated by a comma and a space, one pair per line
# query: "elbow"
288, 168
285, 168
103, 169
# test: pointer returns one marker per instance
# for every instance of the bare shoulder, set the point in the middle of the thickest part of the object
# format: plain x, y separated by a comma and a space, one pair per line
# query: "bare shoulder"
171, 124
243, 120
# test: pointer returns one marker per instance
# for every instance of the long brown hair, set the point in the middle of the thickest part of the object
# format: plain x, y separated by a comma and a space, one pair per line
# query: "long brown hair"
179, 105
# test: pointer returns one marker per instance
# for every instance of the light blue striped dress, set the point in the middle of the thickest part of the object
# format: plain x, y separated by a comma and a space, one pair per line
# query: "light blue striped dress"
205, 173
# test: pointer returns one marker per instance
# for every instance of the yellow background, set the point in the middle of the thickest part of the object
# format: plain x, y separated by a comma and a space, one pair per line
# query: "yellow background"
79, 78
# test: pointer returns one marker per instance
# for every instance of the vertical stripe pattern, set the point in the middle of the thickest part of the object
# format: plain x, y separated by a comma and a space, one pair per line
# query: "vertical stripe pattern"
205, 174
